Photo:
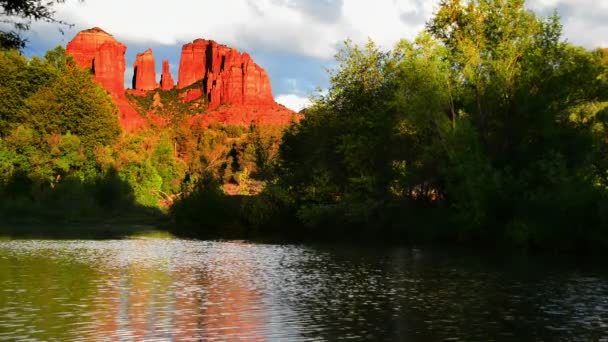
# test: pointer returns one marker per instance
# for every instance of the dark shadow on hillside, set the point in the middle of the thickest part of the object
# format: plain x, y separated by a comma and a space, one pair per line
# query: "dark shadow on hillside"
207, 212
103, 207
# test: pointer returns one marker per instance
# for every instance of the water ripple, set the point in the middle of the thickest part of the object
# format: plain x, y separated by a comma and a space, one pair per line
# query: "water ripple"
185, 290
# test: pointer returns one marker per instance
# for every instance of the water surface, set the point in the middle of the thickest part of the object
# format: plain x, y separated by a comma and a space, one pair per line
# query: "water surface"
185, 290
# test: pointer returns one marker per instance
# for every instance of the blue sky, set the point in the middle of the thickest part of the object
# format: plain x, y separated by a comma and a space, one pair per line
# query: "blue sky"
294, 40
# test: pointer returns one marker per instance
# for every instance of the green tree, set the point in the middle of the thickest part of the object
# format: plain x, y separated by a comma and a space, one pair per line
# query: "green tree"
520, 155
423, 102
170, 169
20, 79
336, 159
72, 102
20, 14
487, 117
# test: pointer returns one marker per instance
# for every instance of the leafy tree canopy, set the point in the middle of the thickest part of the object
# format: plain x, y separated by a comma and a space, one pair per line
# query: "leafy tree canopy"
20, 14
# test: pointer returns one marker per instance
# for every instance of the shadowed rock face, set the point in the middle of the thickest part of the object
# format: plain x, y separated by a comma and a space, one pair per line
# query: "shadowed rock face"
98, 51
166, 80
227, 75
144, 71
219, 74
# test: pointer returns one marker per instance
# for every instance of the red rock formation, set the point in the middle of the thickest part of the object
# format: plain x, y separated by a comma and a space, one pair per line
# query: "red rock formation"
191, 94
244, 115
227, 75
130, 120
193, 63
97, 50
166, 81
256, 85
144, 71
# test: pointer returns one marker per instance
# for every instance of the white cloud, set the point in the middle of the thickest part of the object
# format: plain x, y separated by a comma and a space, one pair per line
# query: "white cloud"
293, 101
284, 28
387, 21
295, 26
311, 28
129, 76
306, 27
584, 21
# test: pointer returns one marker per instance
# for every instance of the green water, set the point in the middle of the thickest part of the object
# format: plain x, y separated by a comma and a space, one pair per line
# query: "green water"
156, 287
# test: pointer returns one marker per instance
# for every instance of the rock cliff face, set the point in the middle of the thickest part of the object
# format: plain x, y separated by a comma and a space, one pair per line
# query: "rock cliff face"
166, 80
144, 71
227, 75
213, 74
98, 51
193, 63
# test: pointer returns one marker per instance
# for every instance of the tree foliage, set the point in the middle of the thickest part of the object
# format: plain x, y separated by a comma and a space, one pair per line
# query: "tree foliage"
488, 119
20, 14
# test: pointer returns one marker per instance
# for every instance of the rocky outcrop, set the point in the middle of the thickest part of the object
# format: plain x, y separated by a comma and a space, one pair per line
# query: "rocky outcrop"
98, 51
191, 94
227, 76
193, 63
144, 71
166, 80
221, 84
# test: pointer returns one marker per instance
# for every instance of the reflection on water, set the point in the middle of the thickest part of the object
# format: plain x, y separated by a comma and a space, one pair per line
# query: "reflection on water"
171, 289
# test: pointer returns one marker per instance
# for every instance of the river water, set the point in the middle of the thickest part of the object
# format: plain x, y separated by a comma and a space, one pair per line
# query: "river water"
186, 290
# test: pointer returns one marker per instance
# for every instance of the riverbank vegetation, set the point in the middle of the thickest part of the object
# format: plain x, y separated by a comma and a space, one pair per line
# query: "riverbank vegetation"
63, 156
488, 128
